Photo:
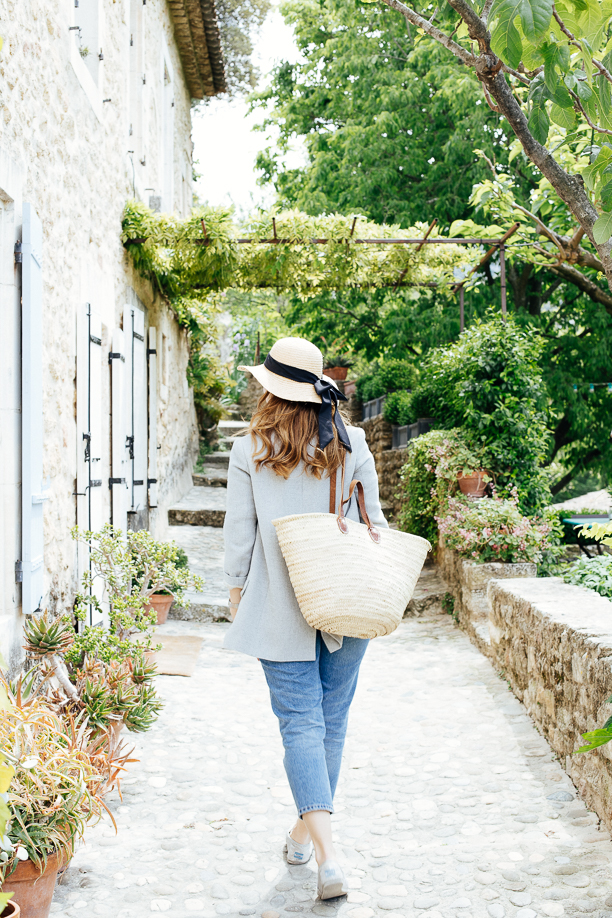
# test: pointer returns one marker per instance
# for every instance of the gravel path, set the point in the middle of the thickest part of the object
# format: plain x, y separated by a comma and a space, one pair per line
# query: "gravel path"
450, 803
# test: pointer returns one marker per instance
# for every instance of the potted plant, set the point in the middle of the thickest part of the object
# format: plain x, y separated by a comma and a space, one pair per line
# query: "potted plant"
53, 794
109, 682
336, 366
8, 908
472, 477
163, 598
133, 567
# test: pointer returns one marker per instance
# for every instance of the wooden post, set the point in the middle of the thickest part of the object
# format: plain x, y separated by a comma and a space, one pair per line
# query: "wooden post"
461, 310
502, 260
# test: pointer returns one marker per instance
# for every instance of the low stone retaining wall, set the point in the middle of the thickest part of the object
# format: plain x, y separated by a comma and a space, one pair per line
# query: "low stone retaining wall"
553, 642
468, 581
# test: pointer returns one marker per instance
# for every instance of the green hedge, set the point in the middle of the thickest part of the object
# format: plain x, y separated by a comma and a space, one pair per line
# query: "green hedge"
390, 376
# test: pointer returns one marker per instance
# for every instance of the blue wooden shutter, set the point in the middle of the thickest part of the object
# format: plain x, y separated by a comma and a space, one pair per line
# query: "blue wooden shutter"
89, 440
32, 534
152, 354
136, 406
119, 465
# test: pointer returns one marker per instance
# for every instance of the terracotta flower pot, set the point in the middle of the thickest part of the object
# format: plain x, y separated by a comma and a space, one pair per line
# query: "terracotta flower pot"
473, 485
33, 890
336, 372
12, 910
161, 602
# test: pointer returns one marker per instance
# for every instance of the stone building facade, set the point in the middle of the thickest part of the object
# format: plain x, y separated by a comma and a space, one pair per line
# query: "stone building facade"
97, 419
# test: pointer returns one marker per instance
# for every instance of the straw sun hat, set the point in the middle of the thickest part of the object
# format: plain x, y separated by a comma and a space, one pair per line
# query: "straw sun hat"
293, 370
294, 352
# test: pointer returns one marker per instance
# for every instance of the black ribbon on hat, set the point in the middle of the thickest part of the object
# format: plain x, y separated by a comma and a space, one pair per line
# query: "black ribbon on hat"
329, 396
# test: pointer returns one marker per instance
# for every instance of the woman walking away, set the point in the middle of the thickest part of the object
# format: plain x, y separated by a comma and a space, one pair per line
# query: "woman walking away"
286, 465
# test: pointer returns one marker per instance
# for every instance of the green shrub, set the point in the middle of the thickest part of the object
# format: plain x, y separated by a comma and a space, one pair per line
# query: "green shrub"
423, 403
392, 375
398, 408
429, 478
490, 384
496, 530
592, 573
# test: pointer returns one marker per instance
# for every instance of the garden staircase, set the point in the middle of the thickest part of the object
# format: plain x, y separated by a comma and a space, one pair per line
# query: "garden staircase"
195, 523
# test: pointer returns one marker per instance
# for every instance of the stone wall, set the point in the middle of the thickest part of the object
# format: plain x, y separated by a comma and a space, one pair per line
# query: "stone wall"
250, 395
388, 461
468, 581
65, 149
553, 642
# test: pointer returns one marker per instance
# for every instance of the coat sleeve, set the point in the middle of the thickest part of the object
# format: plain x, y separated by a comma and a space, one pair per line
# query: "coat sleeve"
365, 471
240, 526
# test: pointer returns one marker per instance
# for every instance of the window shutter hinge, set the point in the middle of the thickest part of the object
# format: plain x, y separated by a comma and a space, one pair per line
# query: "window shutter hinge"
18, 254
18, 572
114, 481
151, 481
115, 355
151, 350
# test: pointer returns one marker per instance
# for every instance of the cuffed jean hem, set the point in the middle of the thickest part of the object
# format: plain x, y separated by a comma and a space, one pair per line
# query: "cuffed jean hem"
314, 808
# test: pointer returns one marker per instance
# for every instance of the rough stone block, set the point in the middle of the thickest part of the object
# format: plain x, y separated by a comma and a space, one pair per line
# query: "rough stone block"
554, 643
476, 576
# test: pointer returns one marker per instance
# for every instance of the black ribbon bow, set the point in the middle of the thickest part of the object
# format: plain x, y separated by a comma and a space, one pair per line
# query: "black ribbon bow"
329, 396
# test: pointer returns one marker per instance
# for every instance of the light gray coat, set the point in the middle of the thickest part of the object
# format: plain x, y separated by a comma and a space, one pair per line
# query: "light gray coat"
269, 624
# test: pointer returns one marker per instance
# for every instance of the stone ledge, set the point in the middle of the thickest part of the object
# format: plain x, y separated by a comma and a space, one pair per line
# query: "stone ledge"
554, 643
468, 581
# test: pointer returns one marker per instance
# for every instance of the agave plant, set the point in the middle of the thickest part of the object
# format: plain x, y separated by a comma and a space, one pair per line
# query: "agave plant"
55, 788
144, 709
46, 635
98, 702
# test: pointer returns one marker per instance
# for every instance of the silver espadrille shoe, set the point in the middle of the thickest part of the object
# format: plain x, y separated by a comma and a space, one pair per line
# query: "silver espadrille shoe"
296, 853
331, 882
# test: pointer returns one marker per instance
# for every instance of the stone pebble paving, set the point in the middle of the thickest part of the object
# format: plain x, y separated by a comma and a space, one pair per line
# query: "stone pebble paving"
450, 803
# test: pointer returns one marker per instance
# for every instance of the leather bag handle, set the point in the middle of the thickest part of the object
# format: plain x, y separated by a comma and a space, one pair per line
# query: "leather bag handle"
354, 485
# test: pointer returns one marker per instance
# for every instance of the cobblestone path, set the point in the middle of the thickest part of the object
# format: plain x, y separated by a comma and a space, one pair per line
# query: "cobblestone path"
450, 803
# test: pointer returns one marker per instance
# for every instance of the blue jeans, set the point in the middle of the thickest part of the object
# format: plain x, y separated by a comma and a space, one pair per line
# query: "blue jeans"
311, 700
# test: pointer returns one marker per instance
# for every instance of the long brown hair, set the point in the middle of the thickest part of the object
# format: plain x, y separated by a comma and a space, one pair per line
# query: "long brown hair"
284, 431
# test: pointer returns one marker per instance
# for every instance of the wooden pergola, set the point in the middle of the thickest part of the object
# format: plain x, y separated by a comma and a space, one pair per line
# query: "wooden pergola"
495, 245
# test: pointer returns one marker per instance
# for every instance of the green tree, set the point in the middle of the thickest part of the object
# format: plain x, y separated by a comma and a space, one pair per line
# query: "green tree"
388, 123
542, 62
239, 24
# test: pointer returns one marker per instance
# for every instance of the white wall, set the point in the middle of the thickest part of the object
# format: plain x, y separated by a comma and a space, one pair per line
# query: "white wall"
74, 167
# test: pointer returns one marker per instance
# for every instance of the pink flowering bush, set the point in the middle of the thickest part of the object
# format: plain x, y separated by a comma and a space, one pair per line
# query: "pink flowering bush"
494, 529
429, 478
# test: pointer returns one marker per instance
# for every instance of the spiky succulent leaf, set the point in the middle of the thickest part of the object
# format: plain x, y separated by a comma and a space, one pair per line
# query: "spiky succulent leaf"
45, 635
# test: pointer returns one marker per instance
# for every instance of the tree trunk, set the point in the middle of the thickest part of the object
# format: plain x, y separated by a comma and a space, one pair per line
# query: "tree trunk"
489, 69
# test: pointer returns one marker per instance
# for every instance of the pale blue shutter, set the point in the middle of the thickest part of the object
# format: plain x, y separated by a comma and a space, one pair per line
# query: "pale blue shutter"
32, 535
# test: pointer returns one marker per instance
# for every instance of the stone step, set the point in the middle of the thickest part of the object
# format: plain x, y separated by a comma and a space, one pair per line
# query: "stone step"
232, 427
204, 548
201, 506
211, 476
428, 593
220, 458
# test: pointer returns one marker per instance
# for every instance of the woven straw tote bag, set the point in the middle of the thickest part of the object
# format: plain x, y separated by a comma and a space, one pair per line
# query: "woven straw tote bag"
350, 578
